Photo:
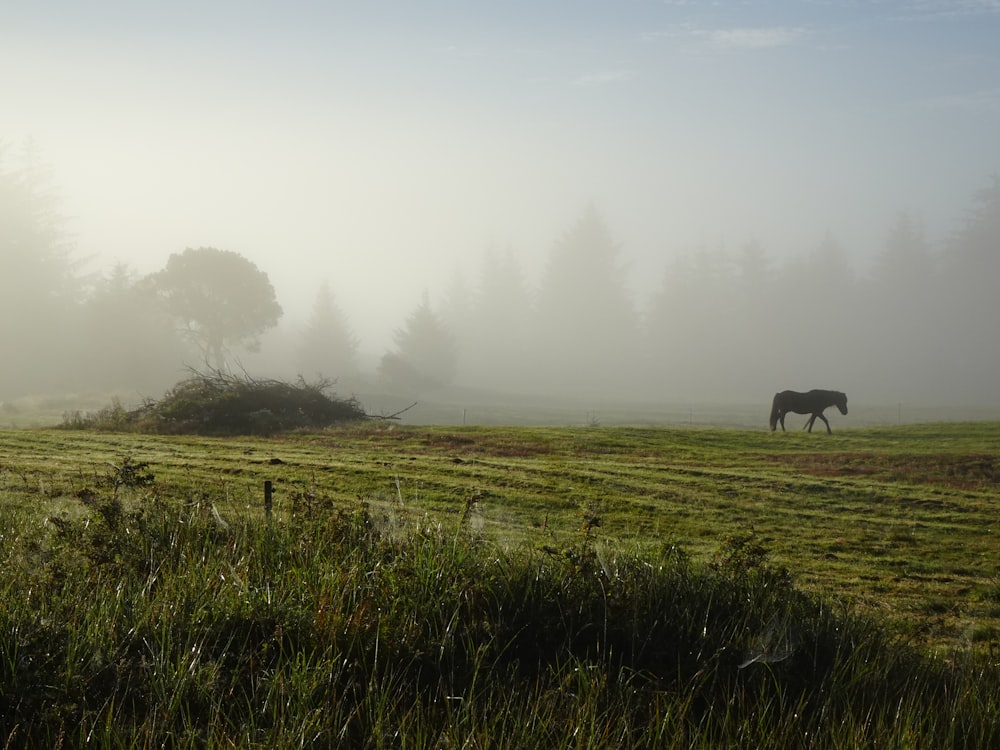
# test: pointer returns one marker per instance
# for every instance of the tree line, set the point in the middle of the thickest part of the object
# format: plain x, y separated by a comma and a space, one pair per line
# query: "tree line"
917, 327
721, 324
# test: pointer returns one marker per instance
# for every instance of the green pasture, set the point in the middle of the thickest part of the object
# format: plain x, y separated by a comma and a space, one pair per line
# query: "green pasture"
898, 521
497, 587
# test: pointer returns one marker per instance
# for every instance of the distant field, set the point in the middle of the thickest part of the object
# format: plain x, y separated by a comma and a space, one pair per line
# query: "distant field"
473, 410
470, 407
900, 521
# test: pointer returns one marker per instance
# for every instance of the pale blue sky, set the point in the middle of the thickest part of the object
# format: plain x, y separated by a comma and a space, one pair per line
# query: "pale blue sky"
383, 144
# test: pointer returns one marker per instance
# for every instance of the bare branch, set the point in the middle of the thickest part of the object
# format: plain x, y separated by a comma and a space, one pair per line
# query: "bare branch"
394, 415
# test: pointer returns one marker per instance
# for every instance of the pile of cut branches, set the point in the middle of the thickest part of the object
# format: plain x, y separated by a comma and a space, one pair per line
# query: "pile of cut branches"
219, 403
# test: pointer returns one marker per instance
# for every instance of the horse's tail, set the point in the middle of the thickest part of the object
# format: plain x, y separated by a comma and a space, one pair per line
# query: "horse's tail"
774, 412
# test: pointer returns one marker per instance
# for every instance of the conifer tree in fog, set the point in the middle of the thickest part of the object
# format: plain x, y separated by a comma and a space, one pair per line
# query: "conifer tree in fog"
456, 312
757, 313
973, 255
904, 266
903, 332
692, 326
40, 290
972, 269
495, 347
425, 355
456, 315
131, 344
823, 315
586, 325
328, 348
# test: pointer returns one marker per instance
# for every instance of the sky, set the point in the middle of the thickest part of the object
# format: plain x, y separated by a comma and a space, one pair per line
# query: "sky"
385, 146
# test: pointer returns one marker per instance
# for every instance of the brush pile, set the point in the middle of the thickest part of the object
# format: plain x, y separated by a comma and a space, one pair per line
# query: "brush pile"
220, 403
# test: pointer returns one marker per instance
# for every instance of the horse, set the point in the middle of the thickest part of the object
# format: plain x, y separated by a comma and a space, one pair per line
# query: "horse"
813, 402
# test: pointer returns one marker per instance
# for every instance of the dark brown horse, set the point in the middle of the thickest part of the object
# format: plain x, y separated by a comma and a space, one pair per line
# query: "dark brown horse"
813, 402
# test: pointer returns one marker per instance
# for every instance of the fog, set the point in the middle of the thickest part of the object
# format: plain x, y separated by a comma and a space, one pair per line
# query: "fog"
662, 203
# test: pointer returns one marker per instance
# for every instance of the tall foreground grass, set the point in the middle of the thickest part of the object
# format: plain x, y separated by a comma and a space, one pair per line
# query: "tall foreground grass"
148, 622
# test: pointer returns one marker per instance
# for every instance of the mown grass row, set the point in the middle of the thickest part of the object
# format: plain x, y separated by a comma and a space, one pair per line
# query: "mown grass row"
138, 619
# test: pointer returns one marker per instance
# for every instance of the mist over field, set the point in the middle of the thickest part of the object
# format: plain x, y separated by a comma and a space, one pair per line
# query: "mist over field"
661, 204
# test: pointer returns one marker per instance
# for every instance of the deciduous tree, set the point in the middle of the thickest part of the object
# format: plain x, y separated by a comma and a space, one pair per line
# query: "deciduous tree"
220, 297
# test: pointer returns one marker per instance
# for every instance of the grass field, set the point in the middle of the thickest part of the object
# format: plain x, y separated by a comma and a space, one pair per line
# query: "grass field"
902, 521
893, 524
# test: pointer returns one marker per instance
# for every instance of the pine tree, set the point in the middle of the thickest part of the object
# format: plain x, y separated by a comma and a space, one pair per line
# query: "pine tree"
37, 278
496, 351
328, 348
131, 344
426, 354
586, 323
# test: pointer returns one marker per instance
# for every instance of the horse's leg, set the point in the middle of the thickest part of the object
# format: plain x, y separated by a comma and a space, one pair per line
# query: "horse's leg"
828, 430
809, 424
781, 419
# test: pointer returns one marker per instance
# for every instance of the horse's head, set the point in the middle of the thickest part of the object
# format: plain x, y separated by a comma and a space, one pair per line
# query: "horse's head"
842, 402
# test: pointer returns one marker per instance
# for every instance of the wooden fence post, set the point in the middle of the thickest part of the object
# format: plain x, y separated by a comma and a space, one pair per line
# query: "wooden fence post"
268, 492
